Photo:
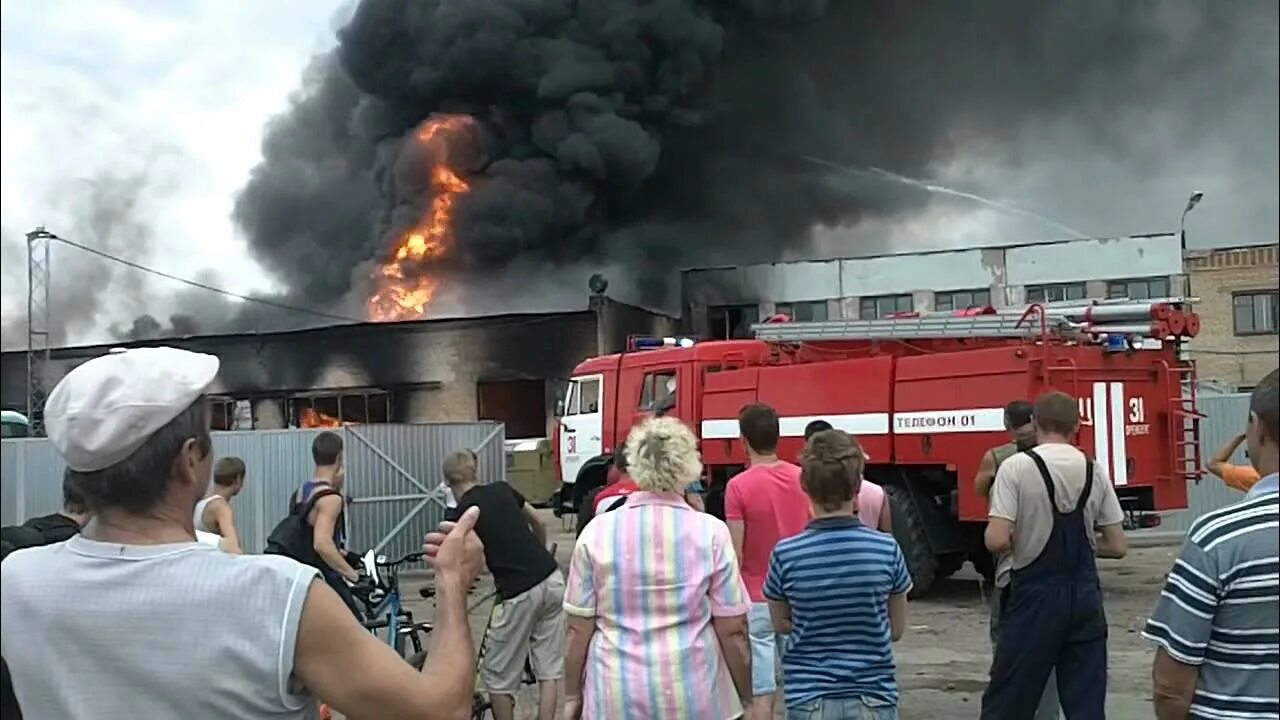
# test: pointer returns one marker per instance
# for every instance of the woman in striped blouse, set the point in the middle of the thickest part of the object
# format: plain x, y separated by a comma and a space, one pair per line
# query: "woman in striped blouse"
657, 608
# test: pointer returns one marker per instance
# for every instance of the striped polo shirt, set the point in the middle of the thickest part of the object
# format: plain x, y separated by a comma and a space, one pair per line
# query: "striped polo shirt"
1219, 610
837, 577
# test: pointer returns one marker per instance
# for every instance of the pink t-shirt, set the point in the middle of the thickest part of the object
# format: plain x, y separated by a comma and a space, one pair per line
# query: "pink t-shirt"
870, 503
771, 505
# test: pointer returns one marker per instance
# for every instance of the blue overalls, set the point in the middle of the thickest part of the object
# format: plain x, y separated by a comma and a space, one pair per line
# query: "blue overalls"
1053, 619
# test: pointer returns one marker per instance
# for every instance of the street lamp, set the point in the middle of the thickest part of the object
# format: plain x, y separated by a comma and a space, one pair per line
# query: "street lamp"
1192, 201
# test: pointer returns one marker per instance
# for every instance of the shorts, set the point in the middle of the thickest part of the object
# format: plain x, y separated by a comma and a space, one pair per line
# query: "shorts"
764, 650
531, 626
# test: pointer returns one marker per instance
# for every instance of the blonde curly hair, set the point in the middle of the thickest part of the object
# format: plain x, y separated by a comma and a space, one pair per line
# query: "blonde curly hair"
662, 455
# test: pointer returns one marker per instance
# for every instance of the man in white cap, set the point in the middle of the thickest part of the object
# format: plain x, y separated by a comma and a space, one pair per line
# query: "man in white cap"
134, 618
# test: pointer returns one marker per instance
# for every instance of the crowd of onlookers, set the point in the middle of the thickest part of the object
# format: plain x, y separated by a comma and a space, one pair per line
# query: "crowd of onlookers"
671, 608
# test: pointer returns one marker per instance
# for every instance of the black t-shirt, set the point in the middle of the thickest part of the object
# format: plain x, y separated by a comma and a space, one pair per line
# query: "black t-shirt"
713, 501
515, 558
54, 528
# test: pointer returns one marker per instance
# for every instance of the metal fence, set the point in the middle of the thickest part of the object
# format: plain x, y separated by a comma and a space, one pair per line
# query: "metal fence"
392, 477
393, 472
1225, 416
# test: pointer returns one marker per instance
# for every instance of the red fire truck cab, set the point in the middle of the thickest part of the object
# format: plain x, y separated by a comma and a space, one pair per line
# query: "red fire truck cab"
923, 394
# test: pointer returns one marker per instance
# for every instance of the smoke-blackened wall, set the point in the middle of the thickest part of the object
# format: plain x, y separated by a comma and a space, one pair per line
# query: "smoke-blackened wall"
660, 135
451, 355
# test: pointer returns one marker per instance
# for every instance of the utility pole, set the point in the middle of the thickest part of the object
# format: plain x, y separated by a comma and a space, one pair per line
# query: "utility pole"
38, 242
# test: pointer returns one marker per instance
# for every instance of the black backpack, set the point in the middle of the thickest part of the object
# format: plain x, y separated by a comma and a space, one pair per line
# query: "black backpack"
293, 536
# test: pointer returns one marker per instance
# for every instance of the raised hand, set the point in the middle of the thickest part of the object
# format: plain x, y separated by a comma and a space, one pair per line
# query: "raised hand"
455, 551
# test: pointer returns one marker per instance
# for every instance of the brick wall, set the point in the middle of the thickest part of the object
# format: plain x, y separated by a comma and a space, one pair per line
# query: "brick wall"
1214, 277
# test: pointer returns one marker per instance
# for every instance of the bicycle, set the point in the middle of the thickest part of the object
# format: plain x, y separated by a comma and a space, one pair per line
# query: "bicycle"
380, 593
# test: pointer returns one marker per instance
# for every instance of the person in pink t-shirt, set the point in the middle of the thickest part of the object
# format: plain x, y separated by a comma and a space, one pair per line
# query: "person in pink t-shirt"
870, 505
763, 504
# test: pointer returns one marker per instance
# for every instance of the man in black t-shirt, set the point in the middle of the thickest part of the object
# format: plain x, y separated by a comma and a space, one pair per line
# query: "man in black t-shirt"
62, 525
529, 620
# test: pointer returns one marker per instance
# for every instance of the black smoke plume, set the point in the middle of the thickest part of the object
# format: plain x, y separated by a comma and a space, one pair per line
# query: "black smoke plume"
665, 133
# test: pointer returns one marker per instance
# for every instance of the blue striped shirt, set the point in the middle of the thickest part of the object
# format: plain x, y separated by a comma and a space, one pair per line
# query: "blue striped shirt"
837, 577
1220, 610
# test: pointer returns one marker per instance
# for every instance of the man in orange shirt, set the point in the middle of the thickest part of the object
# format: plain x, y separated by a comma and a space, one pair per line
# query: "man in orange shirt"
1240, 477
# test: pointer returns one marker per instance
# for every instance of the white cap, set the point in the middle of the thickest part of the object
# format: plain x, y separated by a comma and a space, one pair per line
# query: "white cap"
105, 409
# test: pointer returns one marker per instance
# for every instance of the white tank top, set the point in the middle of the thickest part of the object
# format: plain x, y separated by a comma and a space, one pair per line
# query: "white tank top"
98, 630
199, 514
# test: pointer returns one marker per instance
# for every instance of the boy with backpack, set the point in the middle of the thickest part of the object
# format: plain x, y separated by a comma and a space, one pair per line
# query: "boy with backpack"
314, 533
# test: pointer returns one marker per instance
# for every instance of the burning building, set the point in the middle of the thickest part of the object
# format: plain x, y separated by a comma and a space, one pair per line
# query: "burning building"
402, 365
507, 368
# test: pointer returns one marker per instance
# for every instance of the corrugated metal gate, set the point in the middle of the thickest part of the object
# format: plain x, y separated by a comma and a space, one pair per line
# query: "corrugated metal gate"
392, 477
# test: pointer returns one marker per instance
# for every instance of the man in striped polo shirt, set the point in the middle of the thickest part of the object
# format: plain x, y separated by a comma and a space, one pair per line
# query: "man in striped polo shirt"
839, 591
1217, 622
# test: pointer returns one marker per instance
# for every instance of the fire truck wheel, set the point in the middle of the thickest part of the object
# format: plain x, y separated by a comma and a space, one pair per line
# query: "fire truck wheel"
908, 529
586, 509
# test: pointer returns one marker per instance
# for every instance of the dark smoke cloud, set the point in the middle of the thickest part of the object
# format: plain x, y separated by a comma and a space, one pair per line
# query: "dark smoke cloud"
107, 212
658, 135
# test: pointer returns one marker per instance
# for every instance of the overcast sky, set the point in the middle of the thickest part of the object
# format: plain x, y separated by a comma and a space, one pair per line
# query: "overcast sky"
162, 101
131, 125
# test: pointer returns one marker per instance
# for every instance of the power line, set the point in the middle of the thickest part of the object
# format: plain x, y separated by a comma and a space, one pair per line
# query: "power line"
203, 286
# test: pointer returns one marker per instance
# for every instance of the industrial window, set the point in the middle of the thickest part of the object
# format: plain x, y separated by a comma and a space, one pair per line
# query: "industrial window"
228, 413
1138, 288
657, 386
962, 299
222, 413
1254, 313
870, 308
1055, 293
804, 311
732, 322
336, 409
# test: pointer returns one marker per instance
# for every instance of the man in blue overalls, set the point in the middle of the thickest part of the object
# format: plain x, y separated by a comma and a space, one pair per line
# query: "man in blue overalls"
1047, 506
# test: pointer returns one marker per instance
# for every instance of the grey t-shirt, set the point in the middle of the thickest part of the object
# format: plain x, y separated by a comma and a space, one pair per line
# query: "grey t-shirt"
99, 631
1018, 495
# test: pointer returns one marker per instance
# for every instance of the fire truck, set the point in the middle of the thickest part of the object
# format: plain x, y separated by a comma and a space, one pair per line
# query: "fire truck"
924, 395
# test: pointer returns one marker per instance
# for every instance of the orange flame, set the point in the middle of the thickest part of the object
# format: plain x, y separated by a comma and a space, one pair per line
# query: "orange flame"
312, 418
402, 287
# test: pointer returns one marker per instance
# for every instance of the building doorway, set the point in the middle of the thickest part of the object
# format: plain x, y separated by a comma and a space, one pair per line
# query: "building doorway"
520, 404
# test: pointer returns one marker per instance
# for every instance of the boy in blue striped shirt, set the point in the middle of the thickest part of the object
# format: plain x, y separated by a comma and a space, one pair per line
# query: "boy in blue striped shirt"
839, 590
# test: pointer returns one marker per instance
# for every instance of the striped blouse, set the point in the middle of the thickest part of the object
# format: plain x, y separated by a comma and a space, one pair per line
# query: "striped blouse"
653, 574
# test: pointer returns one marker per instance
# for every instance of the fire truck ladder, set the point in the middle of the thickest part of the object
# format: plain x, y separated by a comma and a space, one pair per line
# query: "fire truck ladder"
1184, 423
905, 328
1120, 316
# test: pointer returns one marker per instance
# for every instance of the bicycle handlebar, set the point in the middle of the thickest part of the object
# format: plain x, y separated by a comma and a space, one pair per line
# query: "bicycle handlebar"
410, 558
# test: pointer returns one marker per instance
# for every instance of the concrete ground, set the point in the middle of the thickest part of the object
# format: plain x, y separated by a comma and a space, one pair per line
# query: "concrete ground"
944, 657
